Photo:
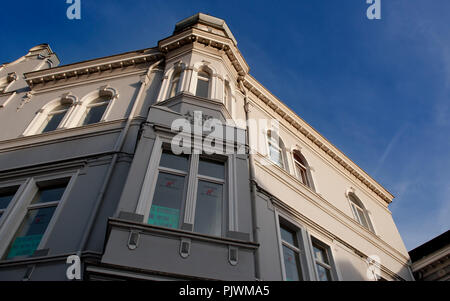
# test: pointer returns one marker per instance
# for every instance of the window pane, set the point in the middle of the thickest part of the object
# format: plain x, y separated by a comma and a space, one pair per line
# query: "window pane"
275, 155
288, 236
170, 160
211, 168
320, 254
174, 85
95, 114
52, 194
167, 201
202, 88
208, 210
292, 265
324, 273
301, 172
5, 199
53, 122
30, 232
362, 217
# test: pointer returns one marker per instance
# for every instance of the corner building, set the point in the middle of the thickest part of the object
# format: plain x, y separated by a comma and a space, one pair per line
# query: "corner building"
87, 169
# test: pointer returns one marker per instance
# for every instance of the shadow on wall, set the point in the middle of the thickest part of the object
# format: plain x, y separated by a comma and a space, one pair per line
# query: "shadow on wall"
351, 273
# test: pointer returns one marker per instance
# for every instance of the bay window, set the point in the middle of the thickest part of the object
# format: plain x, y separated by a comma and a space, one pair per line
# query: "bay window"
203, 83
189, 190
169, 192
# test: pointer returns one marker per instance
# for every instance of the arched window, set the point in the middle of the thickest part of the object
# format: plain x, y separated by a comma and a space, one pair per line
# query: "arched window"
95, 110
54, 118
203, 83
174, 87
276, 149
360, 212
302, 169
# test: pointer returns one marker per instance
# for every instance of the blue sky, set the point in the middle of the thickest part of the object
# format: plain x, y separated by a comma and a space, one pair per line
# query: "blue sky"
379, 90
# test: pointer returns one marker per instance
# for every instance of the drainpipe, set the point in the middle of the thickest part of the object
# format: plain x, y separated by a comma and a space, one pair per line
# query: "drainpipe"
252, 183
117, 147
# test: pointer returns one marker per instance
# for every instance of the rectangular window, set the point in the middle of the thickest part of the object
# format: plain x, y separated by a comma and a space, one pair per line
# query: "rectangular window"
210, 194
202, 87
38, 217
275, 154
6, 196
291, 254
169, 192
206, 200
322, 260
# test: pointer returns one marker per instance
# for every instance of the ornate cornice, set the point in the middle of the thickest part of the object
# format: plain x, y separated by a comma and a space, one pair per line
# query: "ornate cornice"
95, 67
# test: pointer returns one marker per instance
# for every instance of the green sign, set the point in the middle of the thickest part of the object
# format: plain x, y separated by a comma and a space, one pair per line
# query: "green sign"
164, 216
24, 245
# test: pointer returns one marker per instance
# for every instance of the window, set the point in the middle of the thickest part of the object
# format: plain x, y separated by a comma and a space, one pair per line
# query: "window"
37, 218
302, 169
95, 111
360, 212
210, 194
276, 149
6, 196
170, 190
228, 98
322, 260
175, 84
171, 198
291, 254
203, 80
54, 118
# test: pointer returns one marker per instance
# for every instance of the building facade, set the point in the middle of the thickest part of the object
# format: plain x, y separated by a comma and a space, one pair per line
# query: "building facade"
90, 165
431, 260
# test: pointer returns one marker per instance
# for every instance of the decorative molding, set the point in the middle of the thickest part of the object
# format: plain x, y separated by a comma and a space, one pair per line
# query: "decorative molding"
12, 77
58, 73
108, 91
69, 98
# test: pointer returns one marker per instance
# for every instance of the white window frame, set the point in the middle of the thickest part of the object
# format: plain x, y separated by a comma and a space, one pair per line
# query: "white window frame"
21, 203
190, 198
358, 210
175, 82
94, 103
206, 79
271, 141
51, 114
305, 168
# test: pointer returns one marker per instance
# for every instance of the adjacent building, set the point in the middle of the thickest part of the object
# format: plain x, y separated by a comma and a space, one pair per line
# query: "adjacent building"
90, 166
431, 260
